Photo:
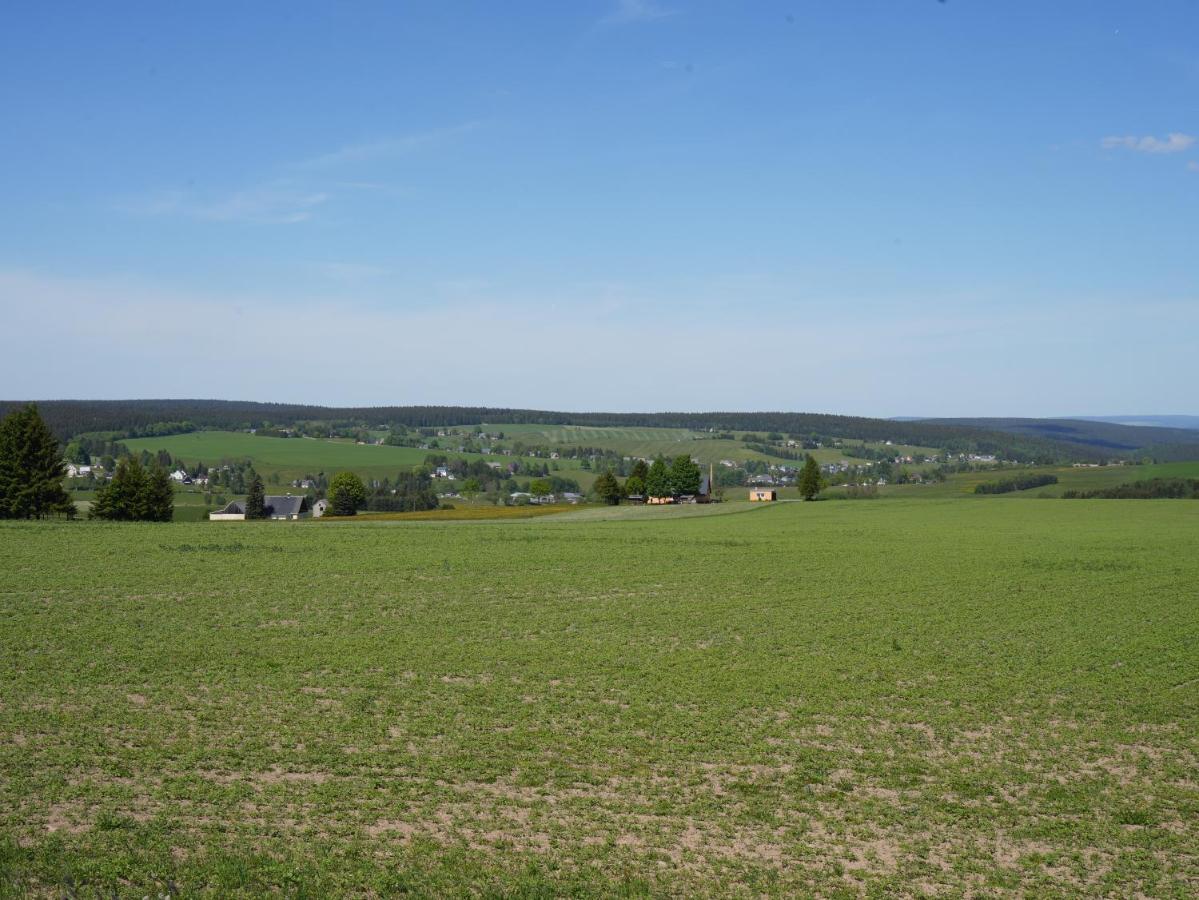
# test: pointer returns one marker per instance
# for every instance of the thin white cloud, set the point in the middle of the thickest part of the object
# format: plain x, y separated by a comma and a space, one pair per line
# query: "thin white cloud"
628, 12
269, 204
301, 189
385, 148
1193, 166
1175, 142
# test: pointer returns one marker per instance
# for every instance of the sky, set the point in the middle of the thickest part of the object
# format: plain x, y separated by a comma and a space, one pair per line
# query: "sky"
901, 207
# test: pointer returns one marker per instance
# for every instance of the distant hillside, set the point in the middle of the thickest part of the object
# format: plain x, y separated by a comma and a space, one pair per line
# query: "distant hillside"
1163, 444
1190, 423
1023, 439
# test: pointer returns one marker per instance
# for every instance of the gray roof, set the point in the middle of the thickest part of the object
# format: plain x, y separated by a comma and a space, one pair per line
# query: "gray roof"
233, 506
291, 505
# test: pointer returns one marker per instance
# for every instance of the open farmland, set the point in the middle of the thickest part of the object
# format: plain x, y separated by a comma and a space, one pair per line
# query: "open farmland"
1069, 478
288, 457
900, 696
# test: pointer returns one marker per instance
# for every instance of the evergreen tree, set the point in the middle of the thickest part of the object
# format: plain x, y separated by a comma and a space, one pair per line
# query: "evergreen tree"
123, 498
635, 486
684, 475
640, 471
657, 481
256, 500
31, 468
607, 488
159, 493
809, 479
347, 494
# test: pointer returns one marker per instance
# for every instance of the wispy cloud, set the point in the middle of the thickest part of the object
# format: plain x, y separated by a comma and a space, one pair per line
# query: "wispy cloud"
1193, 166
628, 12
1175, 142
299, 189
384, 148
268, 204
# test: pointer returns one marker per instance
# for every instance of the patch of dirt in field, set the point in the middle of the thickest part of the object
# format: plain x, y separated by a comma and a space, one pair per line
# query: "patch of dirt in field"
277, 775
66, 818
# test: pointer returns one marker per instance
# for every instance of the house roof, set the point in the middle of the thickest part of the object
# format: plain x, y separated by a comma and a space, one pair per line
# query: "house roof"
233, 507
289, 505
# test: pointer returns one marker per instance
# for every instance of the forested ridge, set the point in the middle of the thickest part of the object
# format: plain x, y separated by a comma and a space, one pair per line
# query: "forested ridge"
129, 418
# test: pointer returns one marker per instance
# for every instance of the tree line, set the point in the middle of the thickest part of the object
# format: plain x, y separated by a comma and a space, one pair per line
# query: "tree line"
1009, 485
72, 417
1149, 489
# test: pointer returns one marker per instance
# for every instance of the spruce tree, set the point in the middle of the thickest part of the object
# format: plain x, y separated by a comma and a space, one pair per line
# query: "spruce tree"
159, 502
124, 498
31, 468
607, 488
809, 479
256, 500
640, 471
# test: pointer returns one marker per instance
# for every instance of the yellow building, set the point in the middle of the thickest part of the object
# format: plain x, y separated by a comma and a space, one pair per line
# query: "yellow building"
763, 495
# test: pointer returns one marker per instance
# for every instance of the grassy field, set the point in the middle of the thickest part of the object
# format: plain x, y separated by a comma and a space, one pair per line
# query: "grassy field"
289, 457
669, 442
830, 698
1069, 478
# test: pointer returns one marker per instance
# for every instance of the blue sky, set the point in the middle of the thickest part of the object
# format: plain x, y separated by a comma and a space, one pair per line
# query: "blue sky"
879, 208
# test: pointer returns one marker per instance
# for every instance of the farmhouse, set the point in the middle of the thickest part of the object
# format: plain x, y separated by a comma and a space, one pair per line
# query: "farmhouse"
765, 495
292, 506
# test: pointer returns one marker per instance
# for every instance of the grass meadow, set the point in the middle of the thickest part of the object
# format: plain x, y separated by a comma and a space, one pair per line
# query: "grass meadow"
290, 458
834, 699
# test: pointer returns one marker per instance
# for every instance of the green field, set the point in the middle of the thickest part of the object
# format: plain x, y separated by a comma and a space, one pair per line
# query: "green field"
290, 458
1069, 478
898, 697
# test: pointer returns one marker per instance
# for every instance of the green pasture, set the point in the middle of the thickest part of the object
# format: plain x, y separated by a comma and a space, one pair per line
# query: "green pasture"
800, 699
289, 457
1069, 478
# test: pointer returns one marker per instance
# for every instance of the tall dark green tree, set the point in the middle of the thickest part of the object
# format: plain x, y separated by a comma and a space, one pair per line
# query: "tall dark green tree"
256, 500
31, 468
159, 496
684, 475
607, 488
809, 479
640, 471
121, 499
657, 480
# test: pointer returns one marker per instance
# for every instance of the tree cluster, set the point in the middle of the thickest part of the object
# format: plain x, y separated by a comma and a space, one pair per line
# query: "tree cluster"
1010, 485
135, 494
